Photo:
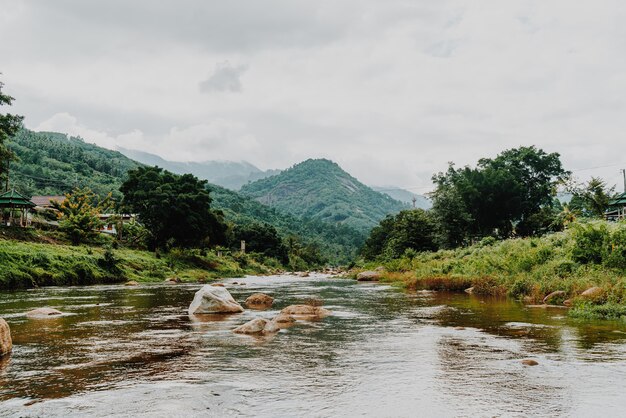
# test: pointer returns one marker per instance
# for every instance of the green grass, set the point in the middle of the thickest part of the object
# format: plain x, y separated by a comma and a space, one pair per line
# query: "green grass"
586, 255
37, 260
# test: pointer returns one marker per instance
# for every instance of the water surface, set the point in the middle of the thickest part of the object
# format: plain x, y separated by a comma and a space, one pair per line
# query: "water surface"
133, 351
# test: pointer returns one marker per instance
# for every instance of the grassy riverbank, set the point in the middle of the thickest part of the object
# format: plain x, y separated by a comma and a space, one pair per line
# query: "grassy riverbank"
586, 255
32, 258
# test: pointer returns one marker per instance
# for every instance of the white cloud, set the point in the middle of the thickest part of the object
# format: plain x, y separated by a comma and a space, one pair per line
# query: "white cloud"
391, 90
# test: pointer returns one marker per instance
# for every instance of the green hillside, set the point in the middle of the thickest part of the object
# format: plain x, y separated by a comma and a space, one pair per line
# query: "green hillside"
321, 190
53, 164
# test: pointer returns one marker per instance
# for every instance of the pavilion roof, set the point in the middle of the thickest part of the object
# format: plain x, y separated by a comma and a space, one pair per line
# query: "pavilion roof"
14, 199
619, 200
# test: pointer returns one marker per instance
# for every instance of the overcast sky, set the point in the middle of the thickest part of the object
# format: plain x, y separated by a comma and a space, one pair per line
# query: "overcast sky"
392, 90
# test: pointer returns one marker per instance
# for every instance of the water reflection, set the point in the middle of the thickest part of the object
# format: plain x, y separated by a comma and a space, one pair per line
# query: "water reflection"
383, 353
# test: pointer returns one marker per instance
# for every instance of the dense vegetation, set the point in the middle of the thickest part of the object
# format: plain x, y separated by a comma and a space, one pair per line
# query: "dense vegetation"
587, 254
321, 190
32, 258
9, 125
52, 164
176, 209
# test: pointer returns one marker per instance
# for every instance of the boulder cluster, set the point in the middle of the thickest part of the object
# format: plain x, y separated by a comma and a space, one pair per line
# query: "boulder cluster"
216, 299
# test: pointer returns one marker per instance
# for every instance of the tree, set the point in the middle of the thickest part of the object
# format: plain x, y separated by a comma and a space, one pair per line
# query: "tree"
262, 238
591, 199
409, 229
175, 209
79, 214
9, 125
497, 197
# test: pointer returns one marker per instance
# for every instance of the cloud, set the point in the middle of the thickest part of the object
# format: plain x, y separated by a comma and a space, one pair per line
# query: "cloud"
391, 90
225, 77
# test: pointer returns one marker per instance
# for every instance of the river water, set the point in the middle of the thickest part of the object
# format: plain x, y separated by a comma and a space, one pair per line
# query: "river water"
133, 351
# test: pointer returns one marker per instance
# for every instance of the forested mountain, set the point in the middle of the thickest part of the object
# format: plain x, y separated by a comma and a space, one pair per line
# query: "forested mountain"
229, 174
53, 164
405, 196
321, 190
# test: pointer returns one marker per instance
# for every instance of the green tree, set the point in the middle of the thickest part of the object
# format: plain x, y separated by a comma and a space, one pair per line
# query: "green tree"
9, 125
496, 198
79, 214
261, 238
409, 229
175, 209
591, 199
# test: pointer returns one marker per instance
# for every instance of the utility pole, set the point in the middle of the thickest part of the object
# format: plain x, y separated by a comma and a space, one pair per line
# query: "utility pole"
624, 173
8, 169
414, 201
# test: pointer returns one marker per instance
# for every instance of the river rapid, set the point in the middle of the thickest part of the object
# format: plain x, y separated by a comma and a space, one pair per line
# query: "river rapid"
134, 351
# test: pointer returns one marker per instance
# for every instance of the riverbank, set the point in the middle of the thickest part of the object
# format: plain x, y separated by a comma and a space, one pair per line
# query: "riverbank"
37, 259
587, 255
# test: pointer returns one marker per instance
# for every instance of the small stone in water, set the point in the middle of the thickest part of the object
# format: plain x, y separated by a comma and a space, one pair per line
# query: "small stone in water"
529, 362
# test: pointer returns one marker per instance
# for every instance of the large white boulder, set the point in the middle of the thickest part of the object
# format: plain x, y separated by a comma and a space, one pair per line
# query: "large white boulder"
6, 344
213, 299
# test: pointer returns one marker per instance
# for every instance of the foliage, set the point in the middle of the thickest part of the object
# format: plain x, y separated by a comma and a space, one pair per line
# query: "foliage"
321, 190
9, 125
173, 208
581, 257
261, 238
409, 229
591, 199
28, 264
497, 195
79, 214
54, 164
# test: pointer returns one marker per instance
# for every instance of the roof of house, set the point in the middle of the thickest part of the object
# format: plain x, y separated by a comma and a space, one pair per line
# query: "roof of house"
45, 200
14, 199
619, 200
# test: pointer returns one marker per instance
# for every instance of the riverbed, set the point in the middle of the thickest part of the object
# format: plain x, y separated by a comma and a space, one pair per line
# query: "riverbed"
134, 351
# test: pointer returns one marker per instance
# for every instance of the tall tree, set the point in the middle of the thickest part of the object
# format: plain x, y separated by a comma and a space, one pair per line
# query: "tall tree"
175, 209
9, 125
79, 214
591, 199
497, 197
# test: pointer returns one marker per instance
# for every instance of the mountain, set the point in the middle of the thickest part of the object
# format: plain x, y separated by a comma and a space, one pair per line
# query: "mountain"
229, 174
320, 189
405, 196
51, 163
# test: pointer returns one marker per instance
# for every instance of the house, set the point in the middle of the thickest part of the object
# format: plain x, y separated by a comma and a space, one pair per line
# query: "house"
110, 221
45, 202
617, 208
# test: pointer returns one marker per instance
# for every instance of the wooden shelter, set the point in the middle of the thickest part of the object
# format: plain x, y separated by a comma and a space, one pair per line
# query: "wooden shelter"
13, 203
617, 208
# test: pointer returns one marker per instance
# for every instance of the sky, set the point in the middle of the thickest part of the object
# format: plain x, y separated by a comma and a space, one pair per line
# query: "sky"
391, 90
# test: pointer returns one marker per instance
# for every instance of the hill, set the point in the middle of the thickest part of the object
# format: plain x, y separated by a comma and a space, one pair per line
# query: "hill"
52, 163
320, 189
405, 196
229, 174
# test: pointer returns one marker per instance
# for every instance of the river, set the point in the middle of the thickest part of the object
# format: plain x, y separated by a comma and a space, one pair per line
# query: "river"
133, 351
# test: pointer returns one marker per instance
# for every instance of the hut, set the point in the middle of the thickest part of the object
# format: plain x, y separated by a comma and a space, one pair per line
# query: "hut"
617, 208
14, 207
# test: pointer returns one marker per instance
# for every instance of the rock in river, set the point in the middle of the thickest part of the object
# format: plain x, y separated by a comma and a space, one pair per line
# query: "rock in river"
259, 300
43, 313
558, 294
529, 362
306, 312
256, 326
212, 299
368, 276
131, 283
6, 344
593, 293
